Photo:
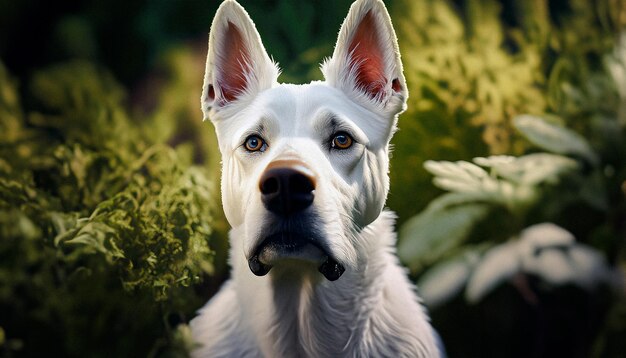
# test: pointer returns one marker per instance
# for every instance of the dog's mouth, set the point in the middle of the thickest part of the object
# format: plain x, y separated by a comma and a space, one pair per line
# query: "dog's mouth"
285, 245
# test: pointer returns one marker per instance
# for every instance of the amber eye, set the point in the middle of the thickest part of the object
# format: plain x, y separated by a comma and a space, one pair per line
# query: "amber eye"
342, 140
255, 144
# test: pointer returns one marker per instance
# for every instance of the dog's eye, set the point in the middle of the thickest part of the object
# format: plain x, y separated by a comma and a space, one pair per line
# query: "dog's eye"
255, 144
341, 140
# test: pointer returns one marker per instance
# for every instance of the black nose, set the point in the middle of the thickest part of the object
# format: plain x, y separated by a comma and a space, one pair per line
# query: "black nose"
286, 191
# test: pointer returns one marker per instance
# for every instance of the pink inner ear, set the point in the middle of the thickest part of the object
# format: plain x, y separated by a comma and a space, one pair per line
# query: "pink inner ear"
233, 64
367, 55
395, 85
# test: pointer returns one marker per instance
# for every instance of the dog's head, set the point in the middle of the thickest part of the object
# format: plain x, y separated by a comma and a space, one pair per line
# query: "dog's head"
304, 167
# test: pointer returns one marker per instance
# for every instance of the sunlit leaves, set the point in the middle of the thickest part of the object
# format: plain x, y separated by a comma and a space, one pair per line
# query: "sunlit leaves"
463, 72
554, 138
515, 183
429, 235
465, 86
497, 265
511, 181
545, 251
529, 170
447, 278
97, 214
465, 177
92, 186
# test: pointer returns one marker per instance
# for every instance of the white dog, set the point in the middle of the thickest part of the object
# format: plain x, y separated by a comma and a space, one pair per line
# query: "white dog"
304, 182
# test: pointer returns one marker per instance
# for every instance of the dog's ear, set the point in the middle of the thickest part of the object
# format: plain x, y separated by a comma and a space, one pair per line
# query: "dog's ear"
366, 62
238, 66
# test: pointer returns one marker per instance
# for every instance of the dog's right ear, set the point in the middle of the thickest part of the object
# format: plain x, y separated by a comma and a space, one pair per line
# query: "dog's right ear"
237, 66
366, 62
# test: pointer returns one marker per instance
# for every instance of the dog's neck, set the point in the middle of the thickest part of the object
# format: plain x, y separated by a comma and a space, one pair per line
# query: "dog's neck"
295, 309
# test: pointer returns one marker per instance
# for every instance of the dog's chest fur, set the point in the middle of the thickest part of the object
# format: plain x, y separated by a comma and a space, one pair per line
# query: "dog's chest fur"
371, 313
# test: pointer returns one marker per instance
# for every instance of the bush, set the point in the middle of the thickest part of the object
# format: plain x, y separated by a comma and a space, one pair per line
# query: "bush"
104, 229
525, 249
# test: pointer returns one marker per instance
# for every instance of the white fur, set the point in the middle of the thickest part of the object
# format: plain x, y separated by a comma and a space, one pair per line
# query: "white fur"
370, 311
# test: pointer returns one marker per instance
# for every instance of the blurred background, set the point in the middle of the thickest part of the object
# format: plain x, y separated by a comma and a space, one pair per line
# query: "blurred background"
508, 173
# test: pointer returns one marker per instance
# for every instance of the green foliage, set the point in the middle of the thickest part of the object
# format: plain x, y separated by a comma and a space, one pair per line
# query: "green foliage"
513, 183
464, 88
442, 226
471, 69
516, 184
472, 238
554, 138
103, 227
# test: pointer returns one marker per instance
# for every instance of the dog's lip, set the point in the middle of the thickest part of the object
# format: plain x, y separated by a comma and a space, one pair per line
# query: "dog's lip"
272, 253
281, 245
275, 248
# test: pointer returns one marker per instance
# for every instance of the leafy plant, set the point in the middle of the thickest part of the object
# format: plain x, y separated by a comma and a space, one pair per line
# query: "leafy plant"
103, 228
495, 223
465, 87
515, 184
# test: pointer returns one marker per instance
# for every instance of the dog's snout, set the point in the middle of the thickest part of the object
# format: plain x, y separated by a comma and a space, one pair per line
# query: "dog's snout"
286, 188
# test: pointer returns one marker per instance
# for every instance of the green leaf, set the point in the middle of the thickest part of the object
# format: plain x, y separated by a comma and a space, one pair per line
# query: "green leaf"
531, 169
554, 138
463, 177
431, 234
447, 279
474, 182
497, 265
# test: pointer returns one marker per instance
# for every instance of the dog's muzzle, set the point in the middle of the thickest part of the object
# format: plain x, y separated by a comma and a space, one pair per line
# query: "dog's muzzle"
288, 190
281, 246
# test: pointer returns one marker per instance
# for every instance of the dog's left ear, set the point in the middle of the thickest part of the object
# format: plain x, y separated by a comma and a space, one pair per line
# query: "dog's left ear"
237, 67
366, 62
